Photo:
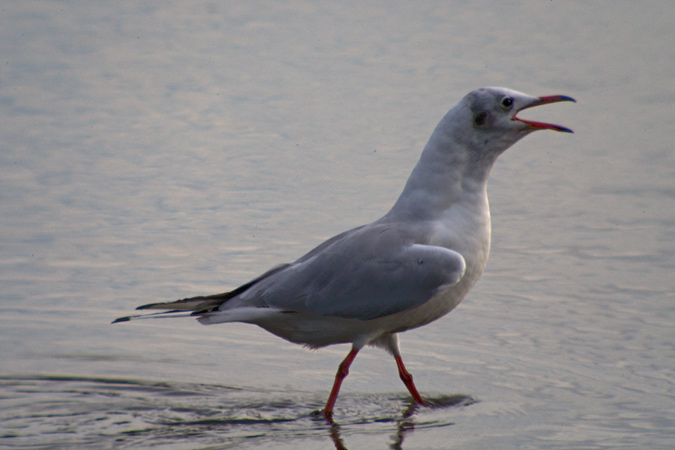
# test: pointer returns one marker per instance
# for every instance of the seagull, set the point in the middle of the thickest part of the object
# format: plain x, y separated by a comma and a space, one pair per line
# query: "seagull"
406, 269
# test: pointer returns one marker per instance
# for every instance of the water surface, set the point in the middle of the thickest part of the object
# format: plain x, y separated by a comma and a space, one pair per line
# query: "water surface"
153, 152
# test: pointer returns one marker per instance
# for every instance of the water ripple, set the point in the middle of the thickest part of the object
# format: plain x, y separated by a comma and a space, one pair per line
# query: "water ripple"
45, 412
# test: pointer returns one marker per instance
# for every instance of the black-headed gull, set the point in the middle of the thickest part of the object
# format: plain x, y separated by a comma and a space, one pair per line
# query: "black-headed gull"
402, 271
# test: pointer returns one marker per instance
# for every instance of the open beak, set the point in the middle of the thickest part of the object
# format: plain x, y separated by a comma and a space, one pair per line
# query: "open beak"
541, 125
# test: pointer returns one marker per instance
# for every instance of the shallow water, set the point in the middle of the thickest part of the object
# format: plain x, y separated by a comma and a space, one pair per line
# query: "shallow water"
151, 153
72, 412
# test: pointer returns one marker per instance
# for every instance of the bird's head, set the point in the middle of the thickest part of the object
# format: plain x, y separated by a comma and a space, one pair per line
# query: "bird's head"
494, 116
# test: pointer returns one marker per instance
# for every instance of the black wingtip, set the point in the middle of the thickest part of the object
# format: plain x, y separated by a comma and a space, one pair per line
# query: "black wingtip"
148, 306
121, 319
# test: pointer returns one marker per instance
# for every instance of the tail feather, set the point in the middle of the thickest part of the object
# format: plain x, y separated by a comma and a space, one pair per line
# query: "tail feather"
159, 315
186, 305
199, 306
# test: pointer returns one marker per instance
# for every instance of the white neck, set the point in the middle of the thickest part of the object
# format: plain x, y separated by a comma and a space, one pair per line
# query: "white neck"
445, 175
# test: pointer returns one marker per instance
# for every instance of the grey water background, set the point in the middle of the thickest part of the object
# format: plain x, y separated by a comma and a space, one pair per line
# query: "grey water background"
155, 150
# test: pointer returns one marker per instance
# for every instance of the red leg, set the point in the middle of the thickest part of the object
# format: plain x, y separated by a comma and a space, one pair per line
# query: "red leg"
343, 371
408, 380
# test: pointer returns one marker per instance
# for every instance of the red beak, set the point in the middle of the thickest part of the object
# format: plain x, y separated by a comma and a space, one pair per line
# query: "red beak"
541, 125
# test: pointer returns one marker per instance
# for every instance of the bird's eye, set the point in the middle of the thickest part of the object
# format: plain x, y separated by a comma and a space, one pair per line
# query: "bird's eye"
507, 103
480, 118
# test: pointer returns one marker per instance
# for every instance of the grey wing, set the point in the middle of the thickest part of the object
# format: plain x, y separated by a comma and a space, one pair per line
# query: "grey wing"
386, 286
361, 278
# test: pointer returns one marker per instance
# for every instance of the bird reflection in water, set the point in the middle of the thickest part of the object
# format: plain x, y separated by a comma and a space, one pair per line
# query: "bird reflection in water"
406, 423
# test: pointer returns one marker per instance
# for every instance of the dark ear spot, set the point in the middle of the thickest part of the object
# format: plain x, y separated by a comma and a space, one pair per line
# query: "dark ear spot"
480, 119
